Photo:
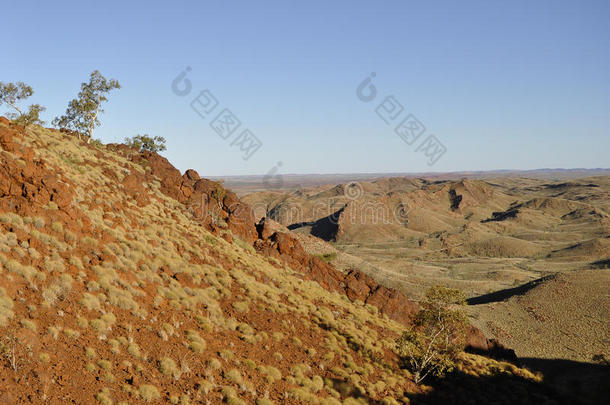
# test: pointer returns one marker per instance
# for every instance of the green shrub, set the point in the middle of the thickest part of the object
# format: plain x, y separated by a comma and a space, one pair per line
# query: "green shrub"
437, 336
146, 143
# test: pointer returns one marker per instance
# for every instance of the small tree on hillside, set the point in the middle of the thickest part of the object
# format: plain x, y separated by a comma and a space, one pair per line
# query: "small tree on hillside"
83, 112
146, 143
12, 94
437, 336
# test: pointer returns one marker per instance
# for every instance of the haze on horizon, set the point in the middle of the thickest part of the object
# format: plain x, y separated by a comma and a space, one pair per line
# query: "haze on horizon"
501, 86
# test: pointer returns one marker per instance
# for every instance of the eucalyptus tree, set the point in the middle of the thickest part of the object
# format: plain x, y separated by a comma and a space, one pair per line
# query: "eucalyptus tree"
82, 114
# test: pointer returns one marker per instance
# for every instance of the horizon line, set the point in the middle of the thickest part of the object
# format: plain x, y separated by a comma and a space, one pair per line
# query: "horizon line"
423, 173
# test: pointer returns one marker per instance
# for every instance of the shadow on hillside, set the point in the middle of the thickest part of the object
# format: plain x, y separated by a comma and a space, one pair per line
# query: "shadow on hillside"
499, 216
601, 264
564, 382
324, 228
502, 295
347, 389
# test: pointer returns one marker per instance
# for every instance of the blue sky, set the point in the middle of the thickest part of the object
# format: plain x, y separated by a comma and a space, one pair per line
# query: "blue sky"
502, 85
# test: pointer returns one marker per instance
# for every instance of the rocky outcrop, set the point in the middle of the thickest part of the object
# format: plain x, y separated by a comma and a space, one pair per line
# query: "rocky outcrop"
191, 174
27, 184
358, 286
355, 284
476, 342
132, 185
209, 202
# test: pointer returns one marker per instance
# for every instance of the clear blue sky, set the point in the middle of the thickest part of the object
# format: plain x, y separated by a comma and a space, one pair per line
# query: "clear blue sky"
503, 85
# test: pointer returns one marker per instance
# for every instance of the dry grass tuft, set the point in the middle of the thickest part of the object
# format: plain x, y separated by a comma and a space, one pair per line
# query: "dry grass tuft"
148, 393
169, 368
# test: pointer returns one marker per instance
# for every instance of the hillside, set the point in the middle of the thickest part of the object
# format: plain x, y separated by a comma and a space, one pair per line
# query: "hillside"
124, 281
534, 315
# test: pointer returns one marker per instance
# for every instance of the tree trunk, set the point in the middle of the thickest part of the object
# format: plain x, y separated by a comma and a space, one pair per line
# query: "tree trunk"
417, 377
16, 108
92, 124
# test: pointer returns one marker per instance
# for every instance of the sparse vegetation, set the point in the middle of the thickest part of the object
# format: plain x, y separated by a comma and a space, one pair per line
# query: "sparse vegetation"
432, 344
12, 94
146, 143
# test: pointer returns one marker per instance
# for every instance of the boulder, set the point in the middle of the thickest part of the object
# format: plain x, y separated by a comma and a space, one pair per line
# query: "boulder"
191, 174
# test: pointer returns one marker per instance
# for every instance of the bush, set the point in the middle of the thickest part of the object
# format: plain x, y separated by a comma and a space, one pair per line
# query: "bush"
32, 116
213, 364
28, 324
432, 344
12, 94
328, 257
146, 143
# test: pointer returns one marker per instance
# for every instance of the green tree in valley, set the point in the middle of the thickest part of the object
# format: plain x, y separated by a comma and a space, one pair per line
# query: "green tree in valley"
437, 334
12, 94
146, 143
82, 114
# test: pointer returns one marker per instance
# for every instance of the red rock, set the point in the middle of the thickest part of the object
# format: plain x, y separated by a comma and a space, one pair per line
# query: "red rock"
6, 139
186, 190
267, 227
191, 174
132, 184
476, 342
355, 288
393, 303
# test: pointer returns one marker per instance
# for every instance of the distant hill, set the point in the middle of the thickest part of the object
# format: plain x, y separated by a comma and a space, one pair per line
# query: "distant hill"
497, 217
251, 183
